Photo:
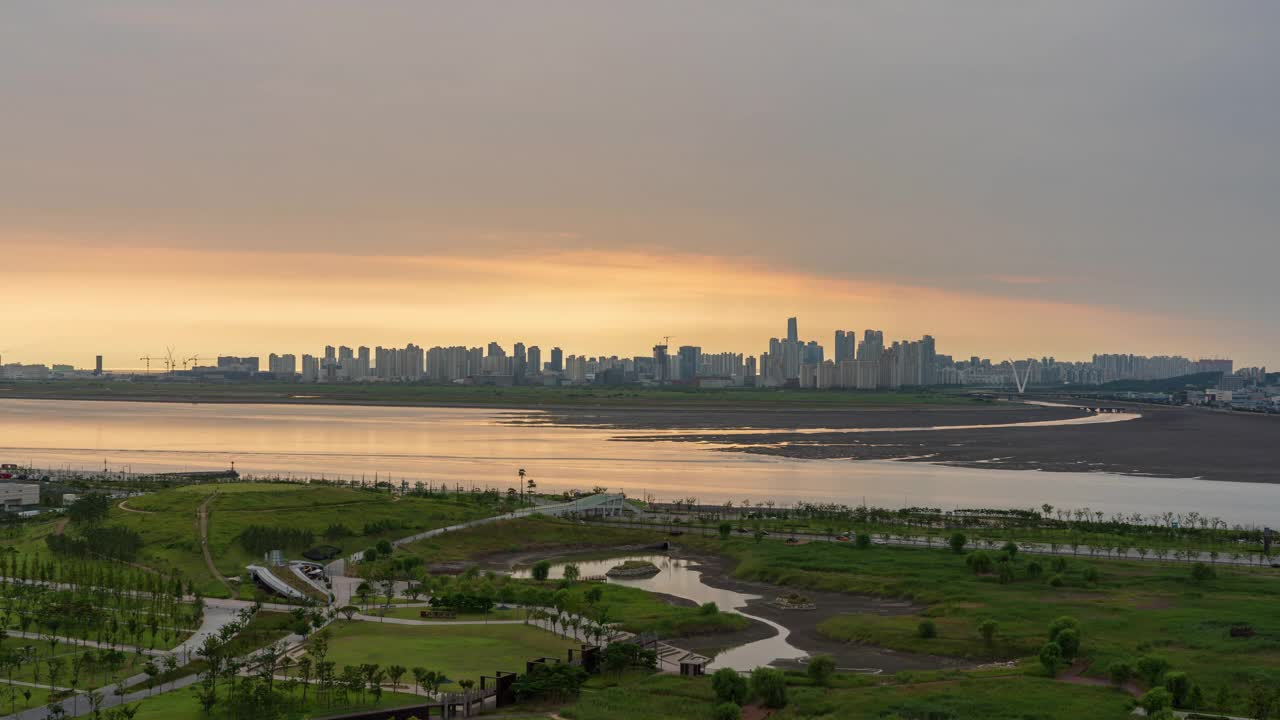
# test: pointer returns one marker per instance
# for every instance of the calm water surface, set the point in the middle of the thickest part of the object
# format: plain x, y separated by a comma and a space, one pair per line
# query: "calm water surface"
681, 578
474, 446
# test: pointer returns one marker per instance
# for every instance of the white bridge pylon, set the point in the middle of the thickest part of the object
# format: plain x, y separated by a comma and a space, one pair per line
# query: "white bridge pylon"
1021, 382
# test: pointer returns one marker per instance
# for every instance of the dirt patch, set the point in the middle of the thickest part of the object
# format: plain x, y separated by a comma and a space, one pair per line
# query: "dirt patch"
755, 712
802, 625
1074, 675
1155, 604
506, 560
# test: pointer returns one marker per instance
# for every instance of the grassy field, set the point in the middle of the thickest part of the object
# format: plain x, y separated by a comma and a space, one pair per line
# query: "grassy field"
421, 394
525, 535
412, 613
667, 697
1131, 609
638, 611
182, 705
167, 521
461, 651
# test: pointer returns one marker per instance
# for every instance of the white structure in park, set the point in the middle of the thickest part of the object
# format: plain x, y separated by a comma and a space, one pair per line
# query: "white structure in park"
15, 496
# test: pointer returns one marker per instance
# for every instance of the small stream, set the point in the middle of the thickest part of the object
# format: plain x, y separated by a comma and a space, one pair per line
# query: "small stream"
682, 578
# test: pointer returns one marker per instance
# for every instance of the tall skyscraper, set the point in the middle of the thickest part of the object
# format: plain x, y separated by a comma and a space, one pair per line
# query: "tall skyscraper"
661, 364
793, 332
97, 365
846, 344
689, 358
557, 360
533, 360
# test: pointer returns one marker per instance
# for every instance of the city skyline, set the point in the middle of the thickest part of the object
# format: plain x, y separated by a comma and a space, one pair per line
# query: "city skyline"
318, 171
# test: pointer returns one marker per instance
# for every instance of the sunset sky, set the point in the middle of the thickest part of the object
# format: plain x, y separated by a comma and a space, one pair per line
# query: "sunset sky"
1016, 179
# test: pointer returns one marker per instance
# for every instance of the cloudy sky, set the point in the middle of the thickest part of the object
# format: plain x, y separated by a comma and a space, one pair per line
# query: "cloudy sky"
1014, 178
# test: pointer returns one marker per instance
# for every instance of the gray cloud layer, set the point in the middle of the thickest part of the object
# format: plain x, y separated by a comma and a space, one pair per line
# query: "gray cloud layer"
1122, 152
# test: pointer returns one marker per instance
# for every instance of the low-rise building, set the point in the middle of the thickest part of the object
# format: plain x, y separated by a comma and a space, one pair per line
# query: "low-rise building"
15, 496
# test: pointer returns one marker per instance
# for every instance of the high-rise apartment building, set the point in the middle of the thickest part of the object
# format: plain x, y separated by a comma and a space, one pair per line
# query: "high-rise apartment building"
533, 360
557, 360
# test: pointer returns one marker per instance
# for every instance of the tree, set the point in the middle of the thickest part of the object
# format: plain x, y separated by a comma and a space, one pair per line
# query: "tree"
1156, 700
862, 541
1120, 672
1202, 573
725, 529
729, 686
1152, 668
987, 629
1179, 687
541, 570
726, 711
395, 672
927, 629
1051, 657
979, 562
821, 668
1069, 640
957, 542
571, 572
349, 611
770, 685
1062, 623
1011, 549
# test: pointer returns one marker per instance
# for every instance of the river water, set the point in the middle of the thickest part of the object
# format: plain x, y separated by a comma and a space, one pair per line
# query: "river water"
682, 578
475, 447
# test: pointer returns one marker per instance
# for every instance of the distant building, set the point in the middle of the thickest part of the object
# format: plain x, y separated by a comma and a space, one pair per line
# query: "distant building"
15, 496
97, 365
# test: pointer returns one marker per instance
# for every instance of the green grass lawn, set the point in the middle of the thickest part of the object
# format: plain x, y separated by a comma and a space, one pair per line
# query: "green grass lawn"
171, 538
461, 651
1133, 608
412, 613
668, 697
638, 611
15, 701
182, 705
525, 535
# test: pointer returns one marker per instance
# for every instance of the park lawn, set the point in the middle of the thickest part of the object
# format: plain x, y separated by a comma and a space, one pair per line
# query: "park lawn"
90, 676
670, 697
167, 522
18, 702
412, 613
637, 611
459, 651
531, 534
1134, 608
181, 704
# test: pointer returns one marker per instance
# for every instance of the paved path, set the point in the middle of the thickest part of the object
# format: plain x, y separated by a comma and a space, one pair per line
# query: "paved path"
217, 613
76, 642
407, 621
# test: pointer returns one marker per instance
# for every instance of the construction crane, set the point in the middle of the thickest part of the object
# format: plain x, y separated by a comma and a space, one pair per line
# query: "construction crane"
169, 362
148, 358
666, 340
192, 361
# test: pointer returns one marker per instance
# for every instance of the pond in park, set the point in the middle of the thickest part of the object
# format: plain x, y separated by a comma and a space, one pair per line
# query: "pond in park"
682, 578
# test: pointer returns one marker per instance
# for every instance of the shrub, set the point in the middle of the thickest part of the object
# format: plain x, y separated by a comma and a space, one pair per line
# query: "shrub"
729, 686
1120, 671
1051, 657
708, 608
1152, 668
821, 668
863, 541
1034, 569
725, 528
1091, 574
770, 685
1006, 573
1011, 549
979, 562
1179, 687
726, 711
1155, 700
1059, 564
1056, 580
1062, 623
1202, 573
927, 629
987, 629
957, 542
384, 547
541, 570
1069, 641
